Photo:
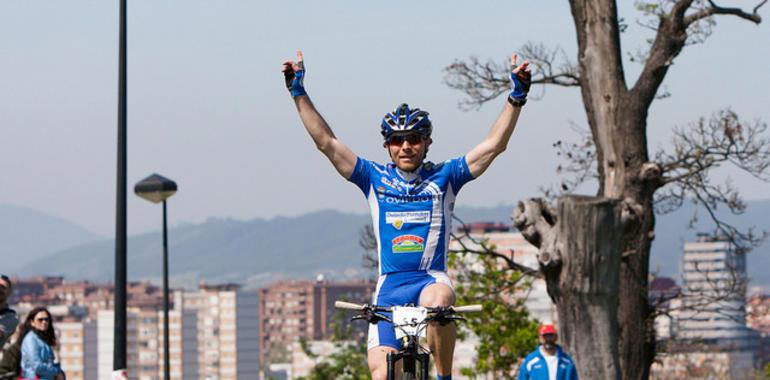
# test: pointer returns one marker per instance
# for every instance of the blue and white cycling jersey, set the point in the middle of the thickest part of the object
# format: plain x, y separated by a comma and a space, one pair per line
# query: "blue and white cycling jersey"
411, 212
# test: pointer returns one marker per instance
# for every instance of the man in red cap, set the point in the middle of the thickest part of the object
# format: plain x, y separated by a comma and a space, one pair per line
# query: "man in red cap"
548, 361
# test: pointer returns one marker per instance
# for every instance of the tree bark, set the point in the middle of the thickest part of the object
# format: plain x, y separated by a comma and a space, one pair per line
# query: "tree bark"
587, 242
618, 121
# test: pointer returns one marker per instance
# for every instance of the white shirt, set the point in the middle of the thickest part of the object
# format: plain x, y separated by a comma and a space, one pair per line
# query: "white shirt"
552, 361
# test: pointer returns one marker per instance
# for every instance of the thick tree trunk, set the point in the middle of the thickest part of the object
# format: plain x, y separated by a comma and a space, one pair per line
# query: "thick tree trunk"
617, 119
637, 333
586, 240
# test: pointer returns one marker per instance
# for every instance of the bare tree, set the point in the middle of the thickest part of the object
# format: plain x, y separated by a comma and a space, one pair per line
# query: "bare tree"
368, 241
588, 244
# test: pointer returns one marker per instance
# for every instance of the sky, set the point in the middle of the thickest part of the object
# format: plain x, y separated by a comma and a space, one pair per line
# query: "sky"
207, 106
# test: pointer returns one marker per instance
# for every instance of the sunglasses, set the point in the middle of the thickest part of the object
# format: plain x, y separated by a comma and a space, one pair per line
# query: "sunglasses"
43, 319
412, 139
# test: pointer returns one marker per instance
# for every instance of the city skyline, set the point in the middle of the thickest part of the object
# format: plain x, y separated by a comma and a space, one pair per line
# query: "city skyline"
292, 309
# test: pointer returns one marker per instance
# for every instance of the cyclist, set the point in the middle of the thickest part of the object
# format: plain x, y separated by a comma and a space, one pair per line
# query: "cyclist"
411, 202
548, 361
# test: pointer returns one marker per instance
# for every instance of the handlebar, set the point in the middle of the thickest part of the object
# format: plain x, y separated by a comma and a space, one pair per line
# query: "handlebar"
359, 307
348, 305
467, 309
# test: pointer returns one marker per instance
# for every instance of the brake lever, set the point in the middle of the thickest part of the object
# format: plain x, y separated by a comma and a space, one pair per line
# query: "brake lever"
444, 320
371, 317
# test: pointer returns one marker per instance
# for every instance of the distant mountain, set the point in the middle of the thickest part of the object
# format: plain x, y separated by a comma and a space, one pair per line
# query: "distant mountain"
324, 242
225, 250
27, 235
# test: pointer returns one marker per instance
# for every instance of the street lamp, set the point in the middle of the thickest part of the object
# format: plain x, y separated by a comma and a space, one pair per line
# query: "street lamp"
156, 189
119, 371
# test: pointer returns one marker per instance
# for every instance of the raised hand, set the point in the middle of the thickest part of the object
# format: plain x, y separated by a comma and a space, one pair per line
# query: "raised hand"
521, 80
294, 75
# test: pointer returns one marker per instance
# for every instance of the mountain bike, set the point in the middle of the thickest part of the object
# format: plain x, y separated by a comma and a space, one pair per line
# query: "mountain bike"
411, 323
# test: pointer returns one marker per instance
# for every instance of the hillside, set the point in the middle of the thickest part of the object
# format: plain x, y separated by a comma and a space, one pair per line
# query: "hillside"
27, 235
326, 242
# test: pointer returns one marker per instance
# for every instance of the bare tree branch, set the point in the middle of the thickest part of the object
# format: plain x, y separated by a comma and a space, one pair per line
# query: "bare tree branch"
704, 146
579, 163
678, 23
711, 293
487, 251
708, 144
482, 82
715, 9
484, 249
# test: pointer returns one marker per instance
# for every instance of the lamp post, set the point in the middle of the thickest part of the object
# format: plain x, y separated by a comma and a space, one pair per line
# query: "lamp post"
156, 189
119, 371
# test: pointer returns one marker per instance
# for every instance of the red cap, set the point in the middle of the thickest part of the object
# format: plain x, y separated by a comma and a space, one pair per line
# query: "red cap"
547, 329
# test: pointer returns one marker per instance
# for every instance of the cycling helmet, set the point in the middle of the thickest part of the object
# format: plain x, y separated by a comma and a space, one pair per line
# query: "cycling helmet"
405, 119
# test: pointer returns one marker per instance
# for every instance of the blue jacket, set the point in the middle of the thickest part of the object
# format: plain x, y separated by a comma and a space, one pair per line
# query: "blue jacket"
534, 366
37, 358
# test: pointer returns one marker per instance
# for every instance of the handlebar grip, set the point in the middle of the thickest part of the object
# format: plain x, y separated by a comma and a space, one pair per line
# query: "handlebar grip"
467, 309
348, 305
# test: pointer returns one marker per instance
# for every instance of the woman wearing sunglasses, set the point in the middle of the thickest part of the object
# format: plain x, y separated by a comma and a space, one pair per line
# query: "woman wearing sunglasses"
38, 340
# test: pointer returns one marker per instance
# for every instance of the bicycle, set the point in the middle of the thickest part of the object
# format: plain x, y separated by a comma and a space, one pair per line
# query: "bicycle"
411, 323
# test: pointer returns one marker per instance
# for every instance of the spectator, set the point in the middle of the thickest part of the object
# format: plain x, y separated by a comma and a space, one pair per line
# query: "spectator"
10, 363
8, 317
38, 340
548, 361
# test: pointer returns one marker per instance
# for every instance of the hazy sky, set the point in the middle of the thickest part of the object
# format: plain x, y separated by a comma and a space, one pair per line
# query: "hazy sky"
207, 106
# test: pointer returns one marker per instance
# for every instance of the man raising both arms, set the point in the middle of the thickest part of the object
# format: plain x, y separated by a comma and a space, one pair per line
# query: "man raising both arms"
411, 202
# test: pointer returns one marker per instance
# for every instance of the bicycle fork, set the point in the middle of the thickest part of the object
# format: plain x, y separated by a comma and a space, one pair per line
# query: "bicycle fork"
410, 363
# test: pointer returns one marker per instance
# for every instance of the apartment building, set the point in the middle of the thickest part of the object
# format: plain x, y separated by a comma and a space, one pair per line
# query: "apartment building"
105, 333
183, 344
144, 349
227, 331
714, 295
77, 341
708, 336
294, 310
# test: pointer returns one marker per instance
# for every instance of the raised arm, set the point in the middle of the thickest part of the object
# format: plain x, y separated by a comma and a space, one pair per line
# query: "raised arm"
481, 156
343, 159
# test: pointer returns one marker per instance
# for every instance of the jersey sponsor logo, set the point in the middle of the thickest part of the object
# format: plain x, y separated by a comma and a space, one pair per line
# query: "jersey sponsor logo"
390, 183
407, 244
412, 198
397, 219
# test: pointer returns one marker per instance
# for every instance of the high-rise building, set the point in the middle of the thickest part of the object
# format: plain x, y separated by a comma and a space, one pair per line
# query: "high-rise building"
183, 344
227, 331
294, 310
105, 333
77, 349
713, 308
144, 348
